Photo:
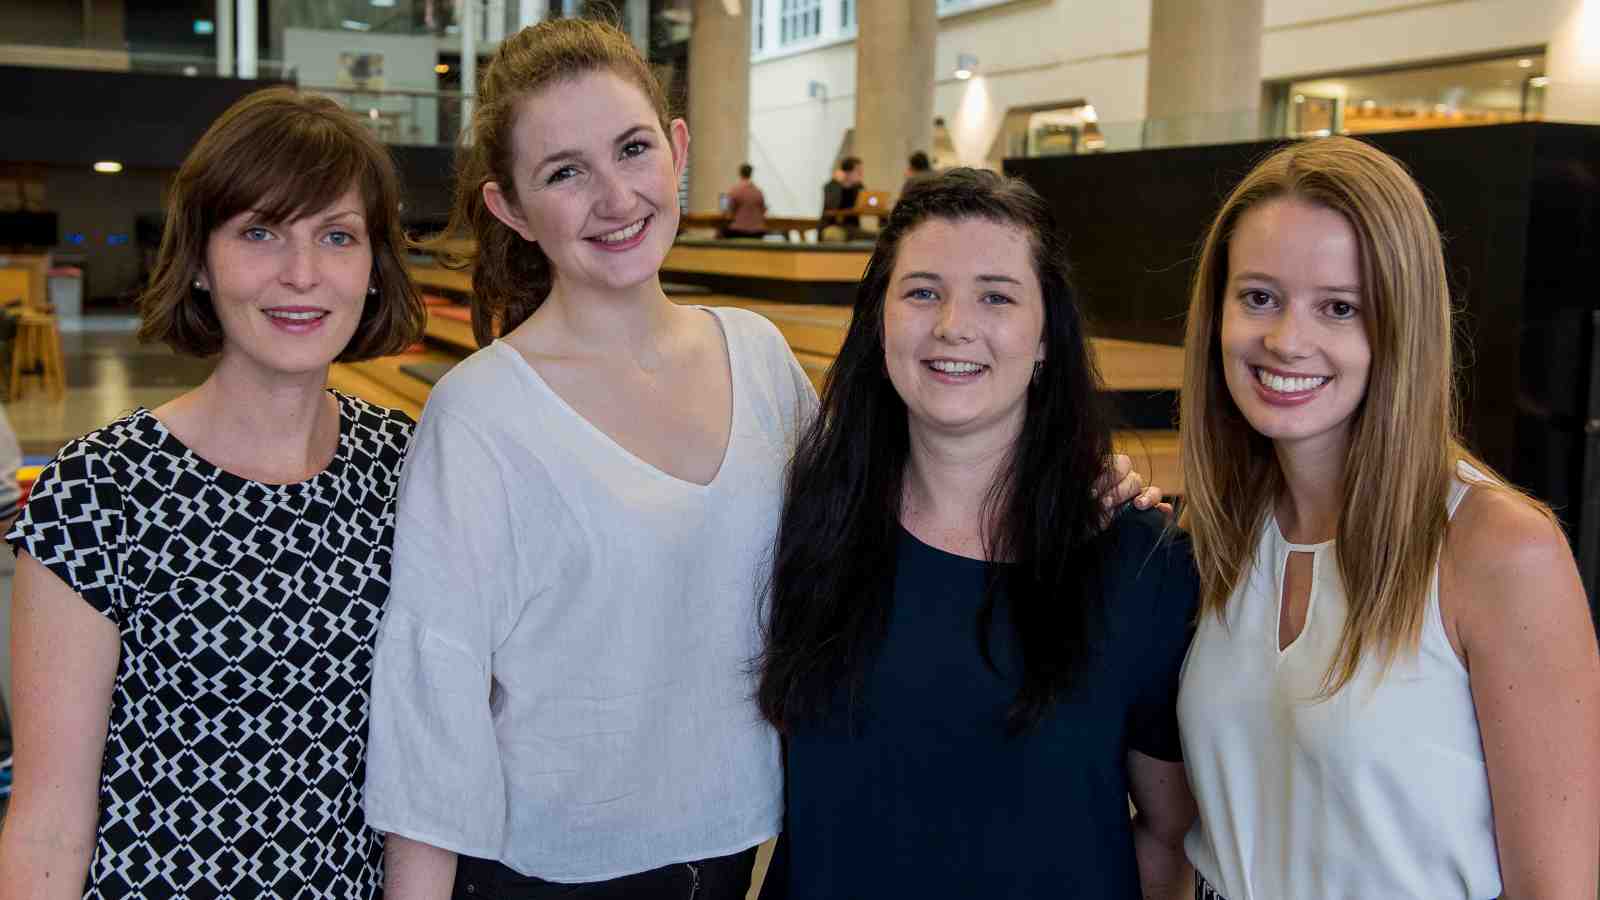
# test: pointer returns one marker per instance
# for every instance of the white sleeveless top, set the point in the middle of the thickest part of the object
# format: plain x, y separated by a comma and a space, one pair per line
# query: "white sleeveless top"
1378, 792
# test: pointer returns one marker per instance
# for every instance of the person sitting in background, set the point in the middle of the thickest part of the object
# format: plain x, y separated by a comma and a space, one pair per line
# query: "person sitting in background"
840, 193
748, 207
918, 168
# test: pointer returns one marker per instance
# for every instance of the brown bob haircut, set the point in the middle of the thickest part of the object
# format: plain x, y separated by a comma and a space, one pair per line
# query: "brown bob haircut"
285, 155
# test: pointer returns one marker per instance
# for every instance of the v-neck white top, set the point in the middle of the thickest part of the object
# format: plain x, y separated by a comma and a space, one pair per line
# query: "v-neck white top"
563, 676
1379, 791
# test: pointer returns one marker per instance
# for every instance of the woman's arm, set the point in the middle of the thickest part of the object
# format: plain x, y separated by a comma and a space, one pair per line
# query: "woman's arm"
1523, 626
64, 658
416, 871
1164, 810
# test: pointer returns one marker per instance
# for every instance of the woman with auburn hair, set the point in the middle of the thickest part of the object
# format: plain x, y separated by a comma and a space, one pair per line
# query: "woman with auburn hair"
198, 586
1394, 690
561, 701
973, 672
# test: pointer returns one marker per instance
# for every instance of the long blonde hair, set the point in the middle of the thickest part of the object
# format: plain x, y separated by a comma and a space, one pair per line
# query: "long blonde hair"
1404, 446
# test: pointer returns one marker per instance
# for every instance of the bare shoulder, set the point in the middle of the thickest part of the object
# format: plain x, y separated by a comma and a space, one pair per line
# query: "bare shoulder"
1507, 575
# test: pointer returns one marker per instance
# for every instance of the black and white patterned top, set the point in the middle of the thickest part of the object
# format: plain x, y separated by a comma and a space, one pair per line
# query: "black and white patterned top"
235, 754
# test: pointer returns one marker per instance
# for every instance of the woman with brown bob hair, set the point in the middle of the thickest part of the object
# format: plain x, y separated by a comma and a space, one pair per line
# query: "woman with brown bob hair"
1394, 690
198, 586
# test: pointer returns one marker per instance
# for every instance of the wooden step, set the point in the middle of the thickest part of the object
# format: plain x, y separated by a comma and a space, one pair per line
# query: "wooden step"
385, 371
344, 377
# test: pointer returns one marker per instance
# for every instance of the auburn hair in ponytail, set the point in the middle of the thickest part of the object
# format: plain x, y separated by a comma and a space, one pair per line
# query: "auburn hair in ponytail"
511, 276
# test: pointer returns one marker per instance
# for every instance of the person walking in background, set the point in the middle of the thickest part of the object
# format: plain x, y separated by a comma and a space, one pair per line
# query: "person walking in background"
198, 586
748, 206
1394, 690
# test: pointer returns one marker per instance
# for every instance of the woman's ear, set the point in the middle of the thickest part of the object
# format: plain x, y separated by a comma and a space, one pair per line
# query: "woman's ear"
678, 137
502, 207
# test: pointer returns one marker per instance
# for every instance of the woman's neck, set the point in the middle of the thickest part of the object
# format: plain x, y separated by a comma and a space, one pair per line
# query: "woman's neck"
574, 323
1313, 497
266, 427
947, 483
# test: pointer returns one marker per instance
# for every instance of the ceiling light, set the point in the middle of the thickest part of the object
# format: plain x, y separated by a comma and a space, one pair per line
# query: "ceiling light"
442, 68
353, 25
383, 3
966, 65
1540, 81
1524, 63
108, 166
1299, 98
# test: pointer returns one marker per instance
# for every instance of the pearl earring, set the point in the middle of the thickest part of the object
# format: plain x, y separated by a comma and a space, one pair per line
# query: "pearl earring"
372, 291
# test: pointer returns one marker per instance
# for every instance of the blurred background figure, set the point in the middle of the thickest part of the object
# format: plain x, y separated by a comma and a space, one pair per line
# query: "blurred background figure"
748, 206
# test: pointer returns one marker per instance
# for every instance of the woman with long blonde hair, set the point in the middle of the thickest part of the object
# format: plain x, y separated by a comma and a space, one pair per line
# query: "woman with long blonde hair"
1394, 689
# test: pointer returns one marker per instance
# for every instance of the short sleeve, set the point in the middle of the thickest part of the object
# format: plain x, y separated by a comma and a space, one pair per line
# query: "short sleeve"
1169, 588
433, 768
73, 525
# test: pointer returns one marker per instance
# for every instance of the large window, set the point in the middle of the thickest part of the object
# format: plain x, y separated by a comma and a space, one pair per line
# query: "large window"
801, 20
758, 17
1476, 92
847, 14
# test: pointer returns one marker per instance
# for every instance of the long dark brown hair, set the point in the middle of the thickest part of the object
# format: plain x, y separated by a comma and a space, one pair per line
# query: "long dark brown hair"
834, 563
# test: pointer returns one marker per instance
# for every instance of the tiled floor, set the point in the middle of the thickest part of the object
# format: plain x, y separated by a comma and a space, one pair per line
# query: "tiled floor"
108, 373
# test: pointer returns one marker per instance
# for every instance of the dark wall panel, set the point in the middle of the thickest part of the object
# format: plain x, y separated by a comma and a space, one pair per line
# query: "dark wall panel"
1518, 207
72, 117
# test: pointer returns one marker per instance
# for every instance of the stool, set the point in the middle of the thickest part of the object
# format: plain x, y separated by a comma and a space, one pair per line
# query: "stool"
37, 349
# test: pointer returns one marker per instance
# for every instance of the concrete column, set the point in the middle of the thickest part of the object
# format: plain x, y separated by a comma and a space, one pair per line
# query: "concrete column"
1572, 63
469, 61
1204, 82
245, 22
531, 12
719, 100
225, 38
496, 16
895, 43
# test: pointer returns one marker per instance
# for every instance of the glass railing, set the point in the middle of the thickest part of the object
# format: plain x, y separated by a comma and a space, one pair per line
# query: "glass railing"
423, 118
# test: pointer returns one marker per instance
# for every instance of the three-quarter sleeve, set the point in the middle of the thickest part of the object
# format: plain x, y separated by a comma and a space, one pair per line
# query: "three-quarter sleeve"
458, 584
73, 524
1171, 589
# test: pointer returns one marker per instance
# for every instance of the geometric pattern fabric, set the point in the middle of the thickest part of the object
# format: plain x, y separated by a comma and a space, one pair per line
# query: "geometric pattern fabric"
236, 748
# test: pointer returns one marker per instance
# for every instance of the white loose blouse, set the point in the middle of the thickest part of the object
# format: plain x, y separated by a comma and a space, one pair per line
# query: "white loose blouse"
563, 678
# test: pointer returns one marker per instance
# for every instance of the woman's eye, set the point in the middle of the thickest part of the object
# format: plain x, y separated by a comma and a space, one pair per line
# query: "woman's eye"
634, 148
921, 294
561, 174
996, 299
254, 233
1256, 299
341, 239
1342, 310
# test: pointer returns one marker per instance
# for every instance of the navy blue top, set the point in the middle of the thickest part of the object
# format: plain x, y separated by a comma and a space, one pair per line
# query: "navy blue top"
926, 796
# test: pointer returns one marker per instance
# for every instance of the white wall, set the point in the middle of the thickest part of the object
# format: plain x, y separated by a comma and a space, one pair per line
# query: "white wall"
1307, 37
793, 138
1039, 51
408, 62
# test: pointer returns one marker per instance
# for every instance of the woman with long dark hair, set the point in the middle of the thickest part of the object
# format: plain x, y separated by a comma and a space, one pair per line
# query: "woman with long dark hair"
973, 671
